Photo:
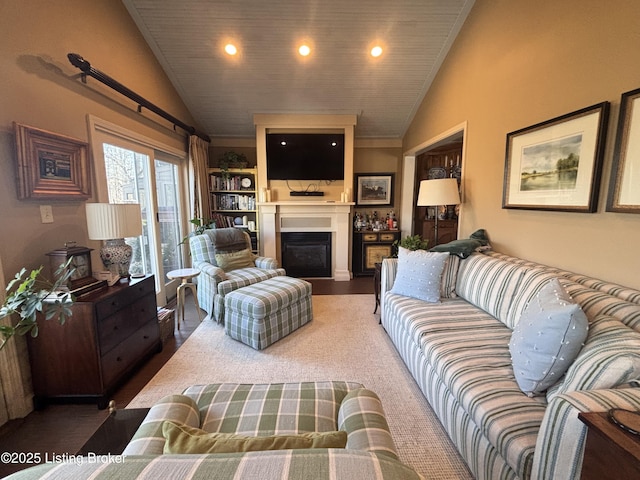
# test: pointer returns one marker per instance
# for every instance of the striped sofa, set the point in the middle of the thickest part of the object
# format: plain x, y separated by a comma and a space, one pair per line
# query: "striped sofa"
255, 410
458, 353
213, 282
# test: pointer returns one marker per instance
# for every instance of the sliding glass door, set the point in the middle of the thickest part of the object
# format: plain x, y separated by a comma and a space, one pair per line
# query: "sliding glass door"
138, 173
169, 226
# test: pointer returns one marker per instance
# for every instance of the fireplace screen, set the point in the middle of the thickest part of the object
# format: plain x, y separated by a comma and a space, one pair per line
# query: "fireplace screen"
306, 254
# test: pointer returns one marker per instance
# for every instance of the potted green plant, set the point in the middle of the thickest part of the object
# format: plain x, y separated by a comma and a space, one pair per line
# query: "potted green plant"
231, 159
410, 242
29, 294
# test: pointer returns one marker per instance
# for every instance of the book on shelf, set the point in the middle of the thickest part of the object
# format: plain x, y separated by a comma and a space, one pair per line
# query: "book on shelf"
220, 183
233, 201
222, 221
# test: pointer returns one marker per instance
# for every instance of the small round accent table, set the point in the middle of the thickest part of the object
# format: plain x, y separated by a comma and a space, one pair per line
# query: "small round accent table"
185, 274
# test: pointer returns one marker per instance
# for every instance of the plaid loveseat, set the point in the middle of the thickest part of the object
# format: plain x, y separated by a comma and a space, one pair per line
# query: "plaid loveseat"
213, 282
458, 353
272, 409
255, 410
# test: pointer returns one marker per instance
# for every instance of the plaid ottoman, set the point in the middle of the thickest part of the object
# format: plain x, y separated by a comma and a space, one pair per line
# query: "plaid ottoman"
263, 313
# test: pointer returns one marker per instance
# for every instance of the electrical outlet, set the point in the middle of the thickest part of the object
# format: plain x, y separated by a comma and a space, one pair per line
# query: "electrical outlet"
46, 213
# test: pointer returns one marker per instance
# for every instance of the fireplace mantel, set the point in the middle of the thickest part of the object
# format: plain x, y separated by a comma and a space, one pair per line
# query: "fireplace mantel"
308, 216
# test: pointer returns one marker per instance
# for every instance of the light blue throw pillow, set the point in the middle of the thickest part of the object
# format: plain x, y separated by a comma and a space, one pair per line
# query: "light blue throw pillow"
419, 274
547, 339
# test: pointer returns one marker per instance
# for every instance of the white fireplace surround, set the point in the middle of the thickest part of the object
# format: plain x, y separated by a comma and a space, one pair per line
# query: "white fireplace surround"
309, 216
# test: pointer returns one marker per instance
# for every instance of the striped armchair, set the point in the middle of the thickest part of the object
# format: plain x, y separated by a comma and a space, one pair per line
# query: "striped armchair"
213, 282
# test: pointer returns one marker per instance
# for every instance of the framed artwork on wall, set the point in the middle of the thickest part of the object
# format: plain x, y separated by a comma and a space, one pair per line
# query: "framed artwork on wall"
374, 189
624, 194
51, 166
556, 164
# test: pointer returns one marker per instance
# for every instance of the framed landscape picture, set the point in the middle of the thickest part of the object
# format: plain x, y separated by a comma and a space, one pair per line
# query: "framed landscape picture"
374, 189
556, 165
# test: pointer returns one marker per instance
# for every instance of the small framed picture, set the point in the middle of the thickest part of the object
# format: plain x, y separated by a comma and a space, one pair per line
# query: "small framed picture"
51, 166
374, 189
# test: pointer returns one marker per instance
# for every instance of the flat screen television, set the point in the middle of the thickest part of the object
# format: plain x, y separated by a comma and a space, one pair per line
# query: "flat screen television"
305, 156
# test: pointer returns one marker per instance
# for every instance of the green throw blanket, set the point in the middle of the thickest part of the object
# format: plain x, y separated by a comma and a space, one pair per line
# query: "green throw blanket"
464, 247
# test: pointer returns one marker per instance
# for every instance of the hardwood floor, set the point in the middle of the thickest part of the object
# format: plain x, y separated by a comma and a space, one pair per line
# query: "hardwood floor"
359, 285
59, 429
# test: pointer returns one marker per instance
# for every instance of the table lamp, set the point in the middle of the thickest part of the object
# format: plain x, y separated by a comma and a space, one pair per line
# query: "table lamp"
113, 223
436, 192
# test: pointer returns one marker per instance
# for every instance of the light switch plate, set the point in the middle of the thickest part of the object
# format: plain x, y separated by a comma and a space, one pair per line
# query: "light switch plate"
46, 213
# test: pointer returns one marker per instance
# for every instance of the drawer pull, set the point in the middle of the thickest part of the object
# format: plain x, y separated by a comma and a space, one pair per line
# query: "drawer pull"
146, 337
119, 359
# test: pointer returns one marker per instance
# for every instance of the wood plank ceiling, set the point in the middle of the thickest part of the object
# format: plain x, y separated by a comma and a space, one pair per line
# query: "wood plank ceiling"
269, 76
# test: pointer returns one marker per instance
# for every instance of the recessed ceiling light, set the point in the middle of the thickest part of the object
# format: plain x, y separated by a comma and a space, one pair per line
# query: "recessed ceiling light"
304, 50
230, 49
376, 51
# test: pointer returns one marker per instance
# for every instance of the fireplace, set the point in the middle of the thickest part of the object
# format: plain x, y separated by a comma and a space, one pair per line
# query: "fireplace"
328, 218
306, 254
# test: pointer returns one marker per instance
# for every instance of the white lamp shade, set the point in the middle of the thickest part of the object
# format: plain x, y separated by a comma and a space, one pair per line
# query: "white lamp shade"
440, 191
107, 221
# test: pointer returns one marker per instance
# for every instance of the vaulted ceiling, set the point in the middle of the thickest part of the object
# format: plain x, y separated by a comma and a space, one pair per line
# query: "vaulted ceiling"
268, 75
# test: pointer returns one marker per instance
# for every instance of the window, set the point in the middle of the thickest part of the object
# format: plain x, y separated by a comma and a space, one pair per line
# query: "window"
138, 171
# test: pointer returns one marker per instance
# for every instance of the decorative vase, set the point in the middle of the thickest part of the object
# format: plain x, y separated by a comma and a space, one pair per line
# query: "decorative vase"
116, 256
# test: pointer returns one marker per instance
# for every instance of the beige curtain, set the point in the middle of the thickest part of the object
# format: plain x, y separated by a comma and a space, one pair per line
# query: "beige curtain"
199, 191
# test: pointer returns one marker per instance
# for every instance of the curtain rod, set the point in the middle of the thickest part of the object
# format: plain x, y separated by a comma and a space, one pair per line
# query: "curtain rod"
79, 62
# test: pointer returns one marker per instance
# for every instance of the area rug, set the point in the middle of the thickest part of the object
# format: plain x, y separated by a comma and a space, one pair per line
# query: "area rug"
343, 342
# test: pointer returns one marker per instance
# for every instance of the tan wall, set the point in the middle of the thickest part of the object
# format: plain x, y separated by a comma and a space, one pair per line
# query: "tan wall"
40, 88
517, 63
377, 159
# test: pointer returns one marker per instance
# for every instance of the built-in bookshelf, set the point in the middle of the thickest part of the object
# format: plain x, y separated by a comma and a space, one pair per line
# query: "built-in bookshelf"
233, 200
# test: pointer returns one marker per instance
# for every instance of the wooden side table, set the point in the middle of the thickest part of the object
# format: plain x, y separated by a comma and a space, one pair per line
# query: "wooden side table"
185, 274
610, 452
115, 433
377, 278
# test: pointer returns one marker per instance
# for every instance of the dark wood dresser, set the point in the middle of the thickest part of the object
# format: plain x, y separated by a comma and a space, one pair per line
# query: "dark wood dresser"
111, 332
